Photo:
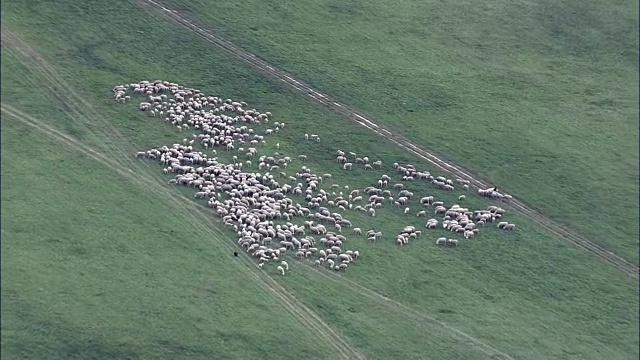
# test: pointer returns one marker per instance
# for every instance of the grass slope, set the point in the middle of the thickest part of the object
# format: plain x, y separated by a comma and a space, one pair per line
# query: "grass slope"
525, 293
540, 97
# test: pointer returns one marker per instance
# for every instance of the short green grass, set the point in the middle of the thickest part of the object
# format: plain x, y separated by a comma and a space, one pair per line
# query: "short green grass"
540, 98
97, 266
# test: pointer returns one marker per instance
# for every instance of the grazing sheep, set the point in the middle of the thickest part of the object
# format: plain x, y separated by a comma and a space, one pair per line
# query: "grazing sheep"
250, 202
441, 241
452, 242
510, 227
431, 224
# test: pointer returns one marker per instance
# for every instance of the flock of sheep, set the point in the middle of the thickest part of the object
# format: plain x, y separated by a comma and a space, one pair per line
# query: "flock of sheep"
260, 206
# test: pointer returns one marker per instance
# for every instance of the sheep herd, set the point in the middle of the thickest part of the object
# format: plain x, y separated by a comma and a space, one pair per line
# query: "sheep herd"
265, 208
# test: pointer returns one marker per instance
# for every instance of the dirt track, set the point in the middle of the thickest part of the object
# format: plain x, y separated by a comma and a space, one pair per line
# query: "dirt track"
541, 220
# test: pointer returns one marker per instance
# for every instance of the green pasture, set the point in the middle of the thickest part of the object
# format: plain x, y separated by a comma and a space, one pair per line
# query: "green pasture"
102, 262
540, 98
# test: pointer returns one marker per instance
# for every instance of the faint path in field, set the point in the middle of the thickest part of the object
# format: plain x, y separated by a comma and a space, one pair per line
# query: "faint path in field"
374, 126
85, 116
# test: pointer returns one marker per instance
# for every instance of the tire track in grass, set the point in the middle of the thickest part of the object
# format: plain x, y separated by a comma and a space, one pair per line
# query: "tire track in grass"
64, 92
538, 218
197, 218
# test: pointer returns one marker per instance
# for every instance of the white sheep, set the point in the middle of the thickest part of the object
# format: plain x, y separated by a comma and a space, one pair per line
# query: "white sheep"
284, 263
189, 108
407, 210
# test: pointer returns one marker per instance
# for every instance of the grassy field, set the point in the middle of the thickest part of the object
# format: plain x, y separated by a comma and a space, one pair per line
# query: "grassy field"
106, 263
540, 98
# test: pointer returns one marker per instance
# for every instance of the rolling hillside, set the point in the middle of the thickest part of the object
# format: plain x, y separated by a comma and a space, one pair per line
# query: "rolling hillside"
101, 258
